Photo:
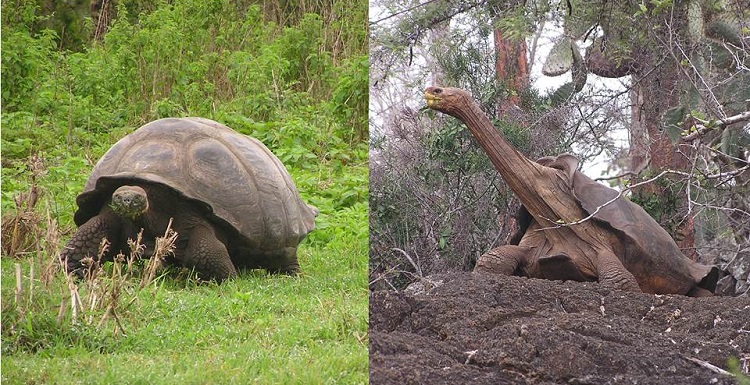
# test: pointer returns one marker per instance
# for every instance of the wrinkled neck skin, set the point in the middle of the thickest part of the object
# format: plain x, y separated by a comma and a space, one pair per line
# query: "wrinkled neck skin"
518, 171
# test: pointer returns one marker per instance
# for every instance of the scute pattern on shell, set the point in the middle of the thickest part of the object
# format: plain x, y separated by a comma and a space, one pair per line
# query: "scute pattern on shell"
233, 175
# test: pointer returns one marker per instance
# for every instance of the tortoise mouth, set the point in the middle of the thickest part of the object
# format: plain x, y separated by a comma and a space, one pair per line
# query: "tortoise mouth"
431, 95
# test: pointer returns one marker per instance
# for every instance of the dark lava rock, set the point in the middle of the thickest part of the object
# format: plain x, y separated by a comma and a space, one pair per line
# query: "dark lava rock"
466, 328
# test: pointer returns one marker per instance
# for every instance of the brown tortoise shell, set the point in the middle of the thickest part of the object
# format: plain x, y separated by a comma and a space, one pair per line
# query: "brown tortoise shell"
235, 178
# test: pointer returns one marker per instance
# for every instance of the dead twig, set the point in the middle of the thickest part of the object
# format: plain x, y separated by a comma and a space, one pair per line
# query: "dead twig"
19, 286
164, 246
414, 264
709, 366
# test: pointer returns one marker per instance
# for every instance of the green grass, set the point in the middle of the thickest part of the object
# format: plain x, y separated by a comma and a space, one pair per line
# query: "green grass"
254, 329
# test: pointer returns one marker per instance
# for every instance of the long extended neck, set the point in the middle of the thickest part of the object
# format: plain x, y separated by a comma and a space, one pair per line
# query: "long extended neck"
544, 191
514, 167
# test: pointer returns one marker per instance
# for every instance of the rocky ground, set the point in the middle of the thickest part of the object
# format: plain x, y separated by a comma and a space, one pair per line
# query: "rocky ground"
464, 328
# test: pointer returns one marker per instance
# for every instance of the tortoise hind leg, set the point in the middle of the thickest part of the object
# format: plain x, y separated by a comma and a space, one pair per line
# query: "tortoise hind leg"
611, 272
283, 261
208, 255
505, 260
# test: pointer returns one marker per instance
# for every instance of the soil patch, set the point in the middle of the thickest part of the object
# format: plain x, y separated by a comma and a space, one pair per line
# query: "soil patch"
466, 328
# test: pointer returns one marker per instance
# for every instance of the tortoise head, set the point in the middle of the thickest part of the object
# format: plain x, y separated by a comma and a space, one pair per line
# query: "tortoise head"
448, 100
129, 201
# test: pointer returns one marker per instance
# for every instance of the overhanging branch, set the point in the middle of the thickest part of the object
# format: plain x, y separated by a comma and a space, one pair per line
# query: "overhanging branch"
705, 126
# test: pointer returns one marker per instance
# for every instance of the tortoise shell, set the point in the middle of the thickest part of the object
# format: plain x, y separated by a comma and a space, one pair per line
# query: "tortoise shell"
649, 252
234, 178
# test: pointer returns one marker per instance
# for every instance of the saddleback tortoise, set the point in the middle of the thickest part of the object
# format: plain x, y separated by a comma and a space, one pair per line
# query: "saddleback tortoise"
573, 228
231, 202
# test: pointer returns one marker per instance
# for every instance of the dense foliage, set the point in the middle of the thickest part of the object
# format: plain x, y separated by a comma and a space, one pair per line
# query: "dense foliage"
293, 77
263, 80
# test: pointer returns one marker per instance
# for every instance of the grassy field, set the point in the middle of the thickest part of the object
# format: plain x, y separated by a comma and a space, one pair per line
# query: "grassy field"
254, 329
296, 80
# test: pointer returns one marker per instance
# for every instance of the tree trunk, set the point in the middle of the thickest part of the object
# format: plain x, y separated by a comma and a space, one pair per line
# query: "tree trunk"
511, 63
511, 69
437, 35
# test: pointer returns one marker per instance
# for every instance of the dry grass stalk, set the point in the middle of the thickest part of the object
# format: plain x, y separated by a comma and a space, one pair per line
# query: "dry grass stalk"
19, 285
31, 283
52, 244
75, 302
19, 231
113, 291
104, 292
164, 246
60, 312
136, 251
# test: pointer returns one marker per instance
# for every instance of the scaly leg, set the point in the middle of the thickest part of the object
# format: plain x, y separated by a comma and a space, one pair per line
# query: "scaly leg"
505, 260
612, 272
208, 255
85, 242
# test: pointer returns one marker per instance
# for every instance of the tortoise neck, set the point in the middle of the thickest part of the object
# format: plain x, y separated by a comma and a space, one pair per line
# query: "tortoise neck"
513, 166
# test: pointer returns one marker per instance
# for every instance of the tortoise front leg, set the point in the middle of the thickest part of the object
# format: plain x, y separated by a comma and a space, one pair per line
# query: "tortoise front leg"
87, 239
505, 260
208, 255
611, 271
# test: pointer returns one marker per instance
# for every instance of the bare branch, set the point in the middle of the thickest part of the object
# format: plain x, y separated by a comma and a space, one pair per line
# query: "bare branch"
627, 173
416, 266
705, 126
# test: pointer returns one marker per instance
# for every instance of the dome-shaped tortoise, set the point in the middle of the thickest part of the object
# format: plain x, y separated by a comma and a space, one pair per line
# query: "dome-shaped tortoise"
232, 202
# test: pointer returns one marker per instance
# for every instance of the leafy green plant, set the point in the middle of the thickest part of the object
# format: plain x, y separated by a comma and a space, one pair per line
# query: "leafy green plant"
736, 368
351, 92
